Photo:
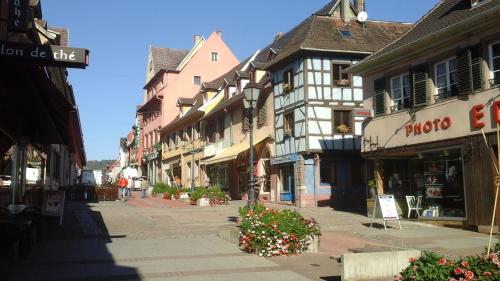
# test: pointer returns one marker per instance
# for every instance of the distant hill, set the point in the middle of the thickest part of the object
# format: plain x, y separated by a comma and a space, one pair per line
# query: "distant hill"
97, 164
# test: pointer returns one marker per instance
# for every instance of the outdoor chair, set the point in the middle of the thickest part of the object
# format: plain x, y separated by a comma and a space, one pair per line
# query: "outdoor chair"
414, 204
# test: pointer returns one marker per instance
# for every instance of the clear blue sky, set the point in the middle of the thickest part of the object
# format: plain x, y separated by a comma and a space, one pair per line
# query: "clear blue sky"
118, 34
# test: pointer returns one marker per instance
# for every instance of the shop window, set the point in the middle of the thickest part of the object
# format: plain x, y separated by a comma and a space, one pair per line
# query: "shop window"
342, 121
495, 63
339, 76
446, 79
289, 125
400, 92
288, 81
327, 172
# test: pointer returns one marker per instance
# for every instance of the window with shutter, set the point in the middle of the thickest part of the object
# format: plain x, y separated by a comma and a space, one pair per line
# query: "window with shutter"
469, 71
245, 124
446, 79
419, 78
288, 81
400, 92
379, 98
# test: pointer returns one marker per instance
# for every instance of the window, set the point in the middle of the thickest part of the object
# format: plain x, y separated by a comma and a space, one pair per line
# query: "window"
197, 80
189, 132
188, 170
339, 77
211, 129
288, 80
495, 63
327, 172
245, 122
262, 111
176, 139
220, 127
196, 168
196, 131
345, 33
215, 56
342, 121
289, 125
400, 92
446, 79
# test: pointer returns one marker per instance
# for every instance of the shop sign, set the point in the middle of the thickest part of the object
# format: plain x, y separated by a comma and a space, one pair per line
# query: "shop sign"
44, 54
477, 114
152, 156
428, 127
363, 112
18, 15
284, 159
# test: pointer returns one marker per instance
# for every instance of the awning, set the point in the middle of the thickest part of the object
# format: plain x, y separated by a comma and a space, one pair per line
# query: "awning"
232, 152
211, 104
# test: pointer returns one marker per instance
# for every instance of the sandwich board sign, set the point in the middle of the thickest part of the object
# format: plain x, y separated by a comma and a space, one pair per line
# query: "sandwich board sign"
387, 206
54, 204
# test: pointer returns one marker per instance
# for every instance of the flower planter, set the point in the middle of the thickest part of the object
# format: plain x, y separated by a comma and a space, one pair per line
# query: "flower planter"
166, 195
203, 202
313, 247
184, 196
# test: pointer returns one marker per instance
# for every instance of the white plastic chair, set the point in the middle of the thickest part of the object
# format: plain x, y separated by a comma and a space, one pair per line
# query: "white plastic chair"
414, 204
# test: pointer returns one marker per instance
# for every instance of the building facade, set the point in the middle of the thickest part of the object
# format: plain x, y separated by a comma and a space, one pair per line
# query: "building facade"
434, 91
318, 107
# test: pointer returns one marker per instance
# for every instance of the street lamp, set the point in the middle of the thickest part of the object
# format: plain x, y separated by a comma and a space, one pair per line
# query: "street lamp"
250, 102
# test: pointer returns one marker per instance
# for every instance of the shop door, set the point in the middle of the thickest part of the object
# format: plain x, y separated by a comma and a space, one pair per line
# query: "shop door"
288, 184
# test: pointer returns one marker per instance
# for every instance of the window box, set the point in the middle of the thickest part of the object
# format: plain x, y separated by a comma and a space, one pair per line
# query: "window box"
287, 88
343, 82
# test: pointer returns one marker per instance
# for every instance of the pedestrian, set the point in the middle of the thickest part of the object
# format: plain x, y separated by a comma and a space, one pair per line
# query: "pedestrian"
122, 184
144, 187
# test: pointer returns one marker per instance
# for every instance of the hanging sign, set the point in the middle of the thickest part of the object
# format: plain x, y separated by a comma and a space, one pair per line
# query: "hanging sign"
18, 15
44, 54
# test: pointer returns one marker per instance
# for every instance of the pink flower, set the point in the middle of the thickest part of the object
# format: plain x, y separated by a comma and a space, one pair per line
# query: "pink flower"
452, 279
458, 271
412, 259
399, 277
441, 261
469, 275
487, 273
465, 264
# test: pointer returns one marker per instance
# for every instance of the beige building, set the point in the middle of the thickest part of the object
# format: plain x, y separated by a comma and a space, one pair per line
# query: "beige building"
432, 92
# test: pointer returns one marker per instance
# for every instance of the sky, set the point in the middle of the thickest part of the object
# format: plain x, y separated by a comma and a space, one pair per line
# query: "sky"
118, 34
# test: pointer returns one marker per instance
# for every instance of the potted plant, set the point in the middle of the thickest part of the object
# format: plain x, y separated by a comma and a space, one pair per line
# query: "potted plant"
200, 195
343, 129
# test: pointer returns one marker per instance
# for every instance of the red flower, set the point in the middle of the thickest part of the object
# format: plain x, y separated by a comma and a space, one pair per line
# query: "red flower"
442, 261
469, 275
458, 271
465, 264
412, 259
487, 273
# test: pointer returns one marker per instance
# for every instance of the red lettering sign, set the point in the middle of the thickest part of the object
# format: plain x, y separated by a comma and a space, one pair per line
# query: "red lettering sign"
477, 115
428, 127
496, 112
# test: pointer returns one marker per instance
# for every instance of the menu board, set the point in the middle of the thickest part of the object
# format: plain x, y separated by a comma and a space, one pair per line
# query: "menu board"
388, 207
53, 204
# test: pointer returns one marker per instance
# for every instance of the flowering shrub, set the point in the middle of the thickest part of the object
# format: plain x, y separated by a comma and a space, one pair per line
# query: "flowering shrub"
268, 232
215, 195
431, 266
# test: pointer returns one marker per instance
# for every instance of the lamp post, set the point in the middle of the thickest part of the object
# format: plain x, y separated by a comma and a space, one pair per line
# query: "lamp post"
251, 97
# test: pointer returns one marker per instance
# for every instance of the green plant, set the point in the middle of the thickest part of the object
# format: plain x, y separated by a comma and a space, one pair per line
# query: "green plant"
198, 193
269, 232
159, 188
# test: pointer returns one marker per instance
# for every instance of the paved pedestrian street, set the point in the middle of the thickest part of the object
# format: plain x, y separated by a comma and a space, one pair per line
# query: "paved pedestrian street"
145, 240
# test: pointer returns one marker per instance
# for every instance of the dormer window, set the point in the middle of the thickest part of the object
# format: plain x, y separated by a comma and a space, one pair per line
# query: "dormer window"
345, 33
475, 3
197, 80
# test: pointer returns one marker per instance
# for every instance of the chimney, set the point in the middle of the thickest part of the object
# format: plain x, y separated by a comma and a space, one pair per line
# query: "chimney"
278, 36
344, 11
197, 38
360, 5
219, 33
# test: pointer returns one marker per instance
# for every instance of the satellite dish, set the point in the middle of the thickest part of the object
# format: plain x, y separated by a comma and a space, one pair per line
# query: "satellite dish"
362, 16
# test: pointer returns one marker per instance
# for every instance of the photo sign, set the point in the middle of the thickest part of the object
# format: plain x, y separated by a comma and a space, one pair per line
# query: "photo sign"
44, 54
388, 207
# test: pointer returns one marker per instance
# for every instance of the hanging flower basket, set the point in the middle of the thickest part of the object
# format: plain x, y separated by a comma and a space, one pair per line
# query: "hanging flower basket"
343, 129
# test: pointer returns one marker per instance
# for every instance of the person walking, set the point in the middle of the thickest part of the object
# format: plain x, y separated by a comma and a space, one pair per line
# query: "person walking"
122, 184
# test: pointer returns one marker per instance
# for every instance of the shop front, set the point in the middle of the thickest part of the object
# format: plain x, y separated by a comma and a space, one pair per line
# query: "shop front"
286, 166
437, 160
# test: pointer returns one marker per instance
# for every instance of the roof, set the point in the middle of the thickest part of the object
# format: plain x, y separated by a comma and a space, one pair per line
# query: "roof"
166, 58
186, 101
319, 32
446, 14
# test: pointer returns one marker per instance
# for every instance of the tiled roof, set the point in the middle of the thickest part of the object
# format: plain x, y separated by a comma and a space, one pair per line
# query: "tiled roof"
320, 32
445, 14
228, 76
167, 58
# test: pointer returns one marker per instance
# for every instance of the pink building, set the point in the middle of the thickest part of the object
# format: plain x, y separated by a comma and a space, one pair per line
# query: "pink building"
171, 74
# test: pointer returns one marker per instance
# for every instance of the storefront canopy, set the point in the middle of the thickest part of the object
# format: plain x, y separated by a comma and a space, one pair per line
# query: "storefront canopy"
232, 152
